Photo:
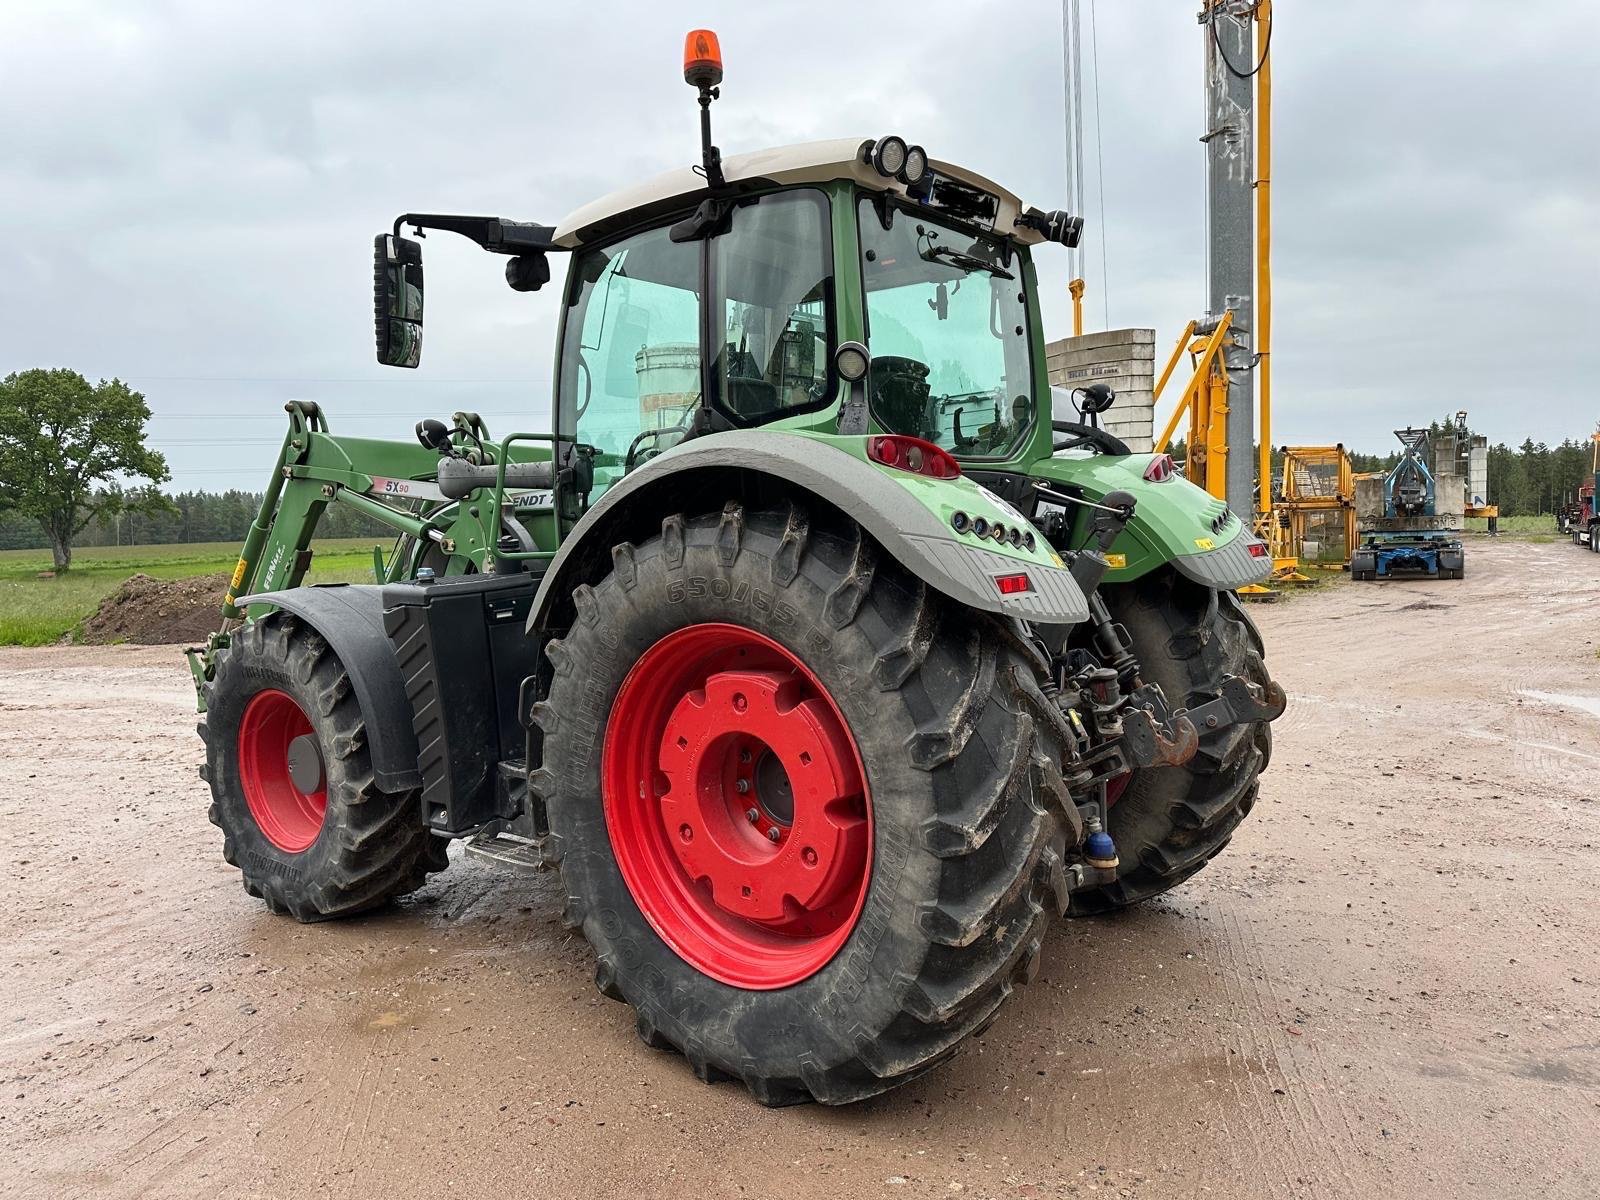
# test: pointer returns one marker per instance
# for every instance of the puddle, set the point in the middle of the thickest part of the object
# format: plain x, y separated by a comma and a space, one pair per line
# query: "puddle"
1588, 704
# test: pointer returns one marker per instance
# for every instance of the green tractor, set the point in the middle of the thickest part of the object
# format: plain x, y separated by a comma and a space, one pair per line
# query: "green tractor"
825, 664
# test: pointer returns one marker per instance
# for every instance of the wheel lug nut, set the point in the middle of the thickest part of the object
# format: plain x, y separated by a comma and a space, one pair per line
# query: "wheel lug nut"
744, 756
742, 786
773, 834
752, 815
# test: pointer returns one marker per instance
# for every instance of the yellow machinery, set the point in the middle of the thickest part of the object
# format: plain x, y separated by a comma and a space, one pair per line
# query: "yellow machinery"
1317, 490
1214, 342
1204, 400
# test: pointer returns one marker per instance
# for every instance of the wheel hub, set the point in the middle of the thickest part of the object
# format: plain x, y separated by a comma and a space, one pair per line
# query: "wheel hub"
794, 854
736, 806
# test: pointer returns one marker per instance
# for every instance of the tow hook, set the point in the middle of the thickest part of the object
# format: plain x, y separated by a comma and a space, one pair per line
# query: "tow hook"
1155, 736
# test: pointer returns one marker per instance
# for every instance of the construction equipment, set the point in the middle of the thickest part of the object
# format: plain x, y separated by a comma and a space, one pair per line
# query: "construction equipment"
1316, 496
821, 660
1460, 452
1415, 524
1581, 517
1229, 384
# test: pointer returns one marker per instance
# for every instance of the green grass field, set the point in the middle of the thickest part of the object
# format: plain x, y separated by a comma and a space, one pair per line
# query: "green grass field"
1518, 526
37, 612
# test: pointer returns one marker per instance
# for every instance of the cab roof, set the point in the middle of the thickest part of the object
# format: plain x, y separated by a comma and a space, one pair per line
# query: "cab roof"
807, 162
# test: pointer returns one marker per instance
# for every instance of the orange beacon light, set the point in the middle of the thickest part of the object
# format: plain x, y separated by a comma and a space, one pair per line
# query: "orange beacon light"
702, 59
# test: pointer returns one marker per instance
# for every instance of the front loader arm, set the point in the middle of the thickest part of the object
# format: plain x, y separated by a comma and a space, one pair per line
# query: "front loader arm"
394, 483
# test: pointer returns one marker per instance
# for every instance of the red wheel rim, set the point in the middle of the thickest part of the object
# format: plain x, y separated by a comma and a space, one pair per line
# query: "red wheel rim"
737, 806
1116, 785
289, 817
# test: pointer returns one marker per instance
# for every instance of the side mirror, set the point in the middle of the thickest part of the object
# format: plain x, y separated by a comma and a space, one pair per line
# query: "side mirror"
397, 299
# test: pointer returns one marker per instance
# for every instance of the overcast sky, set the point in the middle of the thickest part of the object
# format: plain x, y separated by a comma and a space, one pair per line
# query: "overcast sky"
188, 191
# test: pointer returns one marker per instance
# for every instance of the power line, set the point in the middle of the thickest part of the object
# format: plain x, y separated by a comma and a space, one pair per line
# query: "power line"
327, 379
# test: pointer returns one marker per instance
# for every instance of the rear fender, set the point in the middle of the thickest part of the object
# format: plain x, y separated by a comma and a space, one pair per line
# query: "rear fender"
1174, 522
908, 514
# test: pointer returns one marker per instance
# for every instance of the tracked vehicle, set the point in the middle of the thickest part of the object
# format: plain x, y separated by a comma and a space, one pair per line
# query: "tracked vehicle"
824, 666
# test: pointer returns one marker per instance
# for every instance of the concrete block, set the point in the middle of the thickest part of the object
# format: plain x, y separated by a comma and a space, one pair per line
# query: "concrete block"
1369, 498
1449, 494
1124, 360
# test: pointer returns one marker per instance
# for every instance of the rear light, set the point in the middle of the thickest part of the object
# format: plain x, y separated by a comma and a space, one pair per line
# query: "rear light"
1258, 549
914, 455
1010, 585
1161, 469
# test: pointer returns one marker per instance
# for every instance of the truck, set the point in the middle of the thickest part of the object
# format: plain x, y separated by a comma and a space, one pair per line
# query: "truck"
1411, 532
1581, 518
825, 666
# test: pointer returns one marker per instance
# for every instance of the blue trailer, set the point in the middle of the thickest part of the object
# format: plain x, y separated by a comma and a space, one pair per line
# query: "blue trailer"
1412, 539
1435, 553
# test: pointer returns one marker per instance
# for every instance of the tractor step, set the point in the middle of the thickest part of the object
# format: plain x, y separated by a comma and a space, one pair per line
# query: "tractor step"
508, 850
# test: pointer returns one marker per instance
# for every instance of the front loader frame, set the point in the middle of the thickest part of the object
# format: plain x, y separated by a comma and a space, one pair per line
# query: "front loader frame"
392, 483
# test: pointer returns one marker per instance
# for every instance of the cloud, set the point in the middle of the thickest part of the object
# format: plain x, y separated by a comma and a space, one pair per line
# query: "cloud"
190, 190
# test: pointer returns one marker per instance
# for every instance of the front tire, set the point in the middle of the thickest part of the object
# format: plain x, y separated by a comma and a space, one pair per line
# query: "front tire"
950, 854
1169, 822
292, 786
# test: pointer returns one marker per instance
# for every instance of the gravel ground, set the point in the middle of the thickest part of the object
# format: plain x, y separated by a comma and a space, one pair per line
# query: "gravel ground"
1388, 985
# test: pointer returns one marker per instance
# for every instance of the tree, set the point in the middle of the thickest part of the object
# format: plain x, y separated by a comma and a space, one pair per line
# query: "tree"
71, 452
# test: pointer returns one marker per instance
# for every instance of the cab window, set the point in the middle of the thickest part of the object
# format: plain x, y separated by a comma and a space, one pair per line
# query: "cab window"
771, 273
630, 355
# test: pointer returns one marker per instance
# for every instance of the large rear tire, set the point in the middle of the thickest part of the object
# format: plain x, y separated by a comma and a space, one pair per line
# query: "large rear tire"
1168, 822
291, 780
937, 801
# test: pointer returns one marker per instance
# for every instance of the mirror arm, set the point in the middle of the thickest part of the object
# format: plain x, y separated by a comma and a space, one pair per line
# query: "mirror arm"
494, 234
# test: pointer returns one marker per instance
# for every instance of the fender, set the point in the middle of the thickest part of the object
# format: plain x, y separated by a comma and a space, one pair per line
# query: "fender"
350, 618
908, 514
1174, 522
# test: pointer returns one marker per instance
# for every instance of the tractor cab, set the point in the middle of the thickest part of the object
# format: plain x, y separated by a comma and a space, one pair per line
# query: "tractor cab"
843, 286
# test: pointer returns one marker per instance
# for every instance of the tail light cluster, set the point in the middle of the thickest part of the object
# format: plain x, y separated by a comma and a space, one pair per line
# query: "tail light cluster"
1161, 469
1258, 549
914, 455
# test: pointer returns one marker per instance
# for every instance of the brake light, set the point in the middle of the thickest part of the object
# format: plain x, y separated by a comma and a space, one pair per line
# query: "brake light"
1010, 585
1161, 469
1258, 549
914, 455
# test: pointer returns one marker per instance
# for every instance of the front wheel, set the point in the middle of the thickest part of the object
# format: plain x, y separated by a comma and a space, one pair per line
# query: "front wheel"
292, 786
1169, 822
796, 798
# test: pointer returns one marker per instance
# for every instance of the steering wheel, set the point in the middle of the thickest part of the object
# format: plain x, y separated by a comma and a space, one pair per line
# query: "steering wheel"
637, 457
1090, 437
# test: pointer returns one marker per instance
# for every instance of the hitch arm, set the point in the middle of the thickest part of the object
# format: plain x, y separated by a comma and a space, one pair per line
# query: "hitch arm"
1241, 701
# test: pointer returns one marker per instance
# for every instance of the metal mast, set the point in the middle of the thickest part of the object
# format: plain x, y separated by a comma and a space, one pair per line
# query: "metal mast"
1230, 229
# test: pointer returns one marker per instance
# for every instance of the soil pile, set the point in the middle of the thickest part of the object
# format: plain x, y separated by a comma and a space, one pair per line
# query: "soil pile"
155, 612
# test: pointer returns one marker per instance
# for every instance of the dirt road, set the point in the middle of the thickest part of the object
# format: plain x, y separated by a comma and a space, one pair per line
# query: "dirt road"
1389, 984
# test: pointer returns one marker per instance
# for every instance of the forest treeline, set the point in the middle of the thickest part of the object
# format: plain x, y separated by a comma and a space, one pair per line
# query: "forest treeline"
1530, 478
192, 517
